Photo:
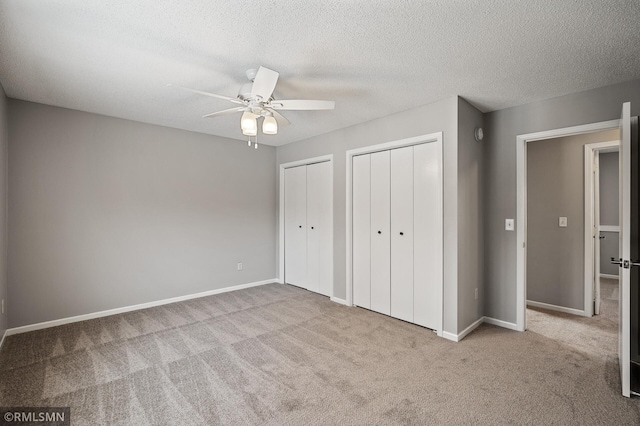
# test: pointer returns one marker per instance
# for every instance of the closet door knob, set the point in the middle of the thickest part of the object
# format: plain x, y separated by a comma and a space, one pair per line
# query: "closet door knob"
312, 227
379, 232
299, 226
402, 233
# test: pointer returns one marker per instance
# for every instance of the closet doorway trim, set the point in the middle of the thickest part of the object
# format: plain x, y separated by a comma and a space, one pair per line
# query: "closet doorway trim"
283, 166
432, 137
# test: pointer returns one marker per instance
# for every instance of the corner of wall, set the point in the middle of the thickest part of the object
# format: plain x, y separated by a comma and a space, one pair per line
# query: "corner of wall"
470, 198
450, 220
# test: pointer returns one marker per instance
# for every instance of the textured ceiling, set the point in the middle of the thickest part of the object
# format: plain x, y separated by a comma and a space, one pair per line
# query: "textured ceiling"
374, 58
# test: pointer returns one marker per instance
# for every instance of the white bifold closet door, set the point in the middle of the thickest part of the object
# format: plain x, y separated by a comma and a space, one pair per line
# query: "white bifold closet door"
428, 241
380, 233
307, 227
397, 233
362, 235
402, 233
295, 226
318, 227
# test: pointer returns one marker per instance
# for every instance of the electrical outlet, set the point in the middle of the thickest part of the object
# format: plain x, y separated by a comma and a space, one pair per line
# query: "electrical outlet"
476, 293
562, 222
239, 266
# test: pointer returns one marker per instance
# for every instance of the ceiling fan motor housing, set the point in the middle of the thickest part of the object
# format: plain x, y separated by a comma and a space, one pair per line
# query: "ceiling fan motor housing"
245, 91
251, 74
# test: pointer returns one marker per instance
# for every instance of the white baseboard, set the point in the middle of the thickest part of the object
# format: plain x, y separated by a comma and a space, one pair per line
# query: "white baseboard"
611, 277
337, 300
472, 327
555, 308
457, 337
500, 323
2, 340
450, 336
84, 317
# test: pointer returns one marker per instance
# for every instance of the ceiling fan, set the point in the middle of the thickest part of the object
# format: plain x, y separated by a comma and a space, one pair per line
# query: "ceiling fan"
255, 100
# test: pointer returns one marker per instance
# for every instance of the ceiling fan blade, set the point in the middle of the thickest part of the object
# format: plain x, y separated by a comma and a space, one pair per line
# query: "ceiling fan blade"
264, 83
224, 112
281, 119
302, 104
213, 95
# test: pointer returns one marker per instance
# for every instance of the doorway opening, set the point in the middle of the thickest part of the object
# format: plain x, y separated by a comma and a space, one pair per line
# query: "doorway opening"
564, 191
629, 244
556, 223
562, 225
563, 210
572, 192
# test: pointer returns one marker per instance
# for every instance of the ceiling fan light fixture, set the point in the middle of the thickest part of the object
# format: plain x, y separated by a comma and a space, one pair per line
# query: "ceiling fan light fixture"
250, 132
269, 125
249, 124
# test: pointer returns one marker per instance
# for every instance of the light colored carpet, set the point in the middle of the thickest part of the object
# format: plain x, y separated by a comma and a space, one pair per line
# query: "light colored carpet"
597, 336
279, 355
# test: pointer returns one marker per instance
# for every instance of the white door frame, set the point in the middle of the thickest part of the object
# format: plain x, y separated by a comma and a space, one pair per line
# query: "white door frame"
432, 137
591, 228
282, 167
521, 204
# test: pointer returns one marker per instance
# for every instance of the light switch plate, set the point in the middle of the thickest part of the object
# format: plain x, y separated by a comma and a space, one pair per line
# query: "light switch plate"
562, 222
508, 225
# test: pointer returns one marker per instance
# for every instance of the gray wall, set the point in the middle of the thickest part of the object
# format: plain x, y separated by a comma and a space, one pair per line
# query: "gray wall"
555, 187
502, 128
609, 188
470, 216
435, 117
106, 213
609, 247
609, 211
4, 138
